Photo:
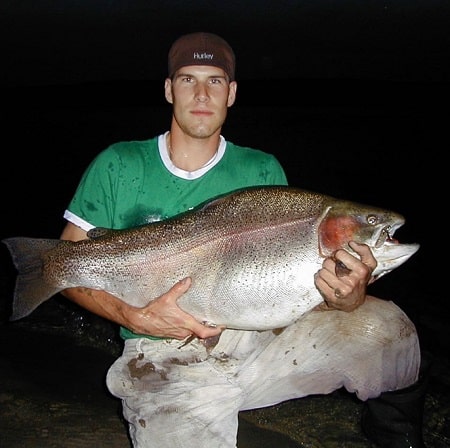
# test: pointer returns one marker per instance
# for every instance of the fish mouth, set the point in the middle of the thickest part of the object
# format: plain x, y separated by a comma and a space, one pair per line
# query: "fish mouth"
386, 235
389, 252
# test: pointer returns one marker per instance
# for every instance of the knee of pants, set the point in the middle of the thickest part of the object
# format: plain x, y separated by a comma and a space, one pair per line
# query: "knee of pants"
380, 323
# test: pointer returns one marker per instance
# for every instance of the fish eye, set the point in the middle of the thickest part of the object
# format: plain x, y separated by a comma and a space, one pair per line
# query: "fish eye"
372, 219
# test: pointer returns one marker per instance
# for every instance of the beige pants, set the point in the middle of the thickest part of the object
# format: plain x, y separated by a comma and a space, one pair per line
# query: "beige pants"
190, 396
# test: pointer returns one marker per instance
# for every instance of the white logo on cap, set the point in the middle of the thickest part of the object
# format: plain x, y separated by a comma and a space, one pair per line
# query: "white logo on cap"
203, 55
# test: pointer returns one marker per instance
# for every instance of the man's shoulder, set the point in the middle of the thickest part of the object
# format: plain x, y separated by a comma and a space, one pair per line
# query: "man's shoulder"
247, 152
261, 168
122, 152
132, 146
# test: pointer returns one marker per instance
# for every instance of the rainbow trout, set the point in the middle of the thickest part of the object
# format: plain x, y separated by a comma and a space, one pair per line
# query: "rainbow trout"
252, 255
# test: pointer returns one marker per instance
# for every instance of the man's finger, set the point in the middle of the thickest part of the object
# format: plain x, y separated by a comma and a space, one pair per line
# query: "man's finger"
365, 253
181, 286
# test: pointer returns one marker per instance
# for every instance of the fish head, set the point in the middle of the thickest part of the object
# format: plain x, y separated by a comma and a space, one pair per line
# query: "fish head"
345, 221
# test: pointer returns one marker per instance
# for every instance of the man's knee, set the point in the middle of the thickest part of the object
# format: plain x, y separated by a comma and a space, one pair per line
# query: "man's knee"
382, 322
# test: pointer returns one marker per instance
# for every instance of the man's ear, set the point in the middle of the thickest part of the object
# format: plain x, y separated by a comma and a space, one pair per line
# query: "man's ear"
232, 93
168, 90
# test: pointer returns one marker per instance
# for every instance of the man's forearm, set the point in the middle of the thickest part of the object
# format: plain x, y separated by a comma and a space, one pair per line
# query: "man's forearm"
99, 302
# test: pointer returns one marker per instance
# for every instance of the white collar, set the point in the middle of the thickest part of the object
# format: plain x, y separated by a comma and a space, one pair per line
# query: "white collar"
189, 175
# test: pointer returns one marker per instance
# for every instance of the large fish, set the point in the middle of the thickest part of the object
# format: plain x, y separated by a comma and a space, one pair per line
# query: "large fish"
252, 255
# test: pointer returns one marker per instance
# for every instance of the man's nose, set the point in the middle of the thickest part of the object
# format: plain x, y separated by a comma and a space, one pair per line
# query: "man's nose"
201, 93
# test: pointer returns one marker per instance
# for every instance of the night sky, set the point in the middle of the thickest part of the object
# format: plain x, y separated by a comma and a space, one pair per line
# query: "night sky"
54, 42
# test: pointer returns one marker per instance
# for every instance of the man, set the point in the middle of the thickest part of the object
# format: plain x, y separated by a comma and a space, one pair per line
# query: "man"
190, 396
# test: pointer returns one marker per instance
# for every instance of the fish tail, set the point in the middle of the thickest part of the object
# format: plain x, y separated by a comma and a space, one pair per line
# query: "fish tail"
31, 289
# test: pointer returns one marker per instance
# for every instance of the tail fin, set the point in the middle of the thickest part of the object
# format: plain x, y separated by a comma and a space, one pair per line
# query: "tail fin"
28, 257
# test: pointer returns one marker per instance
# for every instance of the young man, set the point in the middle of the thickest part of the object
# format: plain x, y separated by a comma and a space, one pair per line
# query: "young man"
190, 397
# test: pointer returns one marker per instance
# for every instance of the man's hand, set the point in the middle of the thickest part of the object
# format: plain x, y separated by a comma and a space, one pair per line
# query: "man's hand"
343, 279
162, 317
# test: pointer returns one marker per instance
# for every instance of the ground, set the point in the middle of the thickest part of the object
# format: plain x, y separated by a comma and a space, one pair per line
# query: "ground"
53, 394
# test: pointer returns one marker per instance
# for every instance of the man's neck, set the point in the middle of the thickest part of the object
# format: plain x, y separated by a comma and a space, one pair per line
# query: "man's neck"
191, 154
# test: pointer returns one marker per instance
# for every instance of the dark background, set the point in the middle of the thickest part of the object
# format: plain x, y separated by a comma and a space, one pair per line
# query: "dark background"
351, 96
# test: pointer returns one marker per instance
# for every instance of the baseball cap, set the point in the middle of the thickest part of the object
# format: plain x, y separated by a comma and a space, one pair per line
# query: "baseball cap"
201, 49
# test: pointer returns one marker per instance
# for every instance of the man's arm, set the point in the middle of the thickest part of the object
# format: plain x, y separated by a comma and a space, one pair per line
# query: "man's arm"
161, 317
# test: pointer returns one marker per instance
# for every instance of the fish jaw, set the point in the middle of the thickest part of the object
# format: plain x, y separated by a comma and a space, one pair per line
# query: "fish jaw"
391, 255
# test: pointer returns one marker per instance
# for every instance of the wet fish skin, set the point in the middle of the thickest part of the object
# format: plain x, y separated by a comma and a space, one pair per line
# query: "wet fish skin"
252, 255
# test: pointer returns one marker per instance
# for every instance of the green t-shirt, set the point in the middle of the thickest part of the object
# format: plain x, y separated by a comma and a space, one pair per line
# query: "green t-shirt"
134, 183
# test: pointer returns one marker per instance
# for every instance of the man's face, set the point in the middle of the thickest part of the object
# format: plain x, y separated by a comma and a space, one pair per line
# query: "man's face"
200, 96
